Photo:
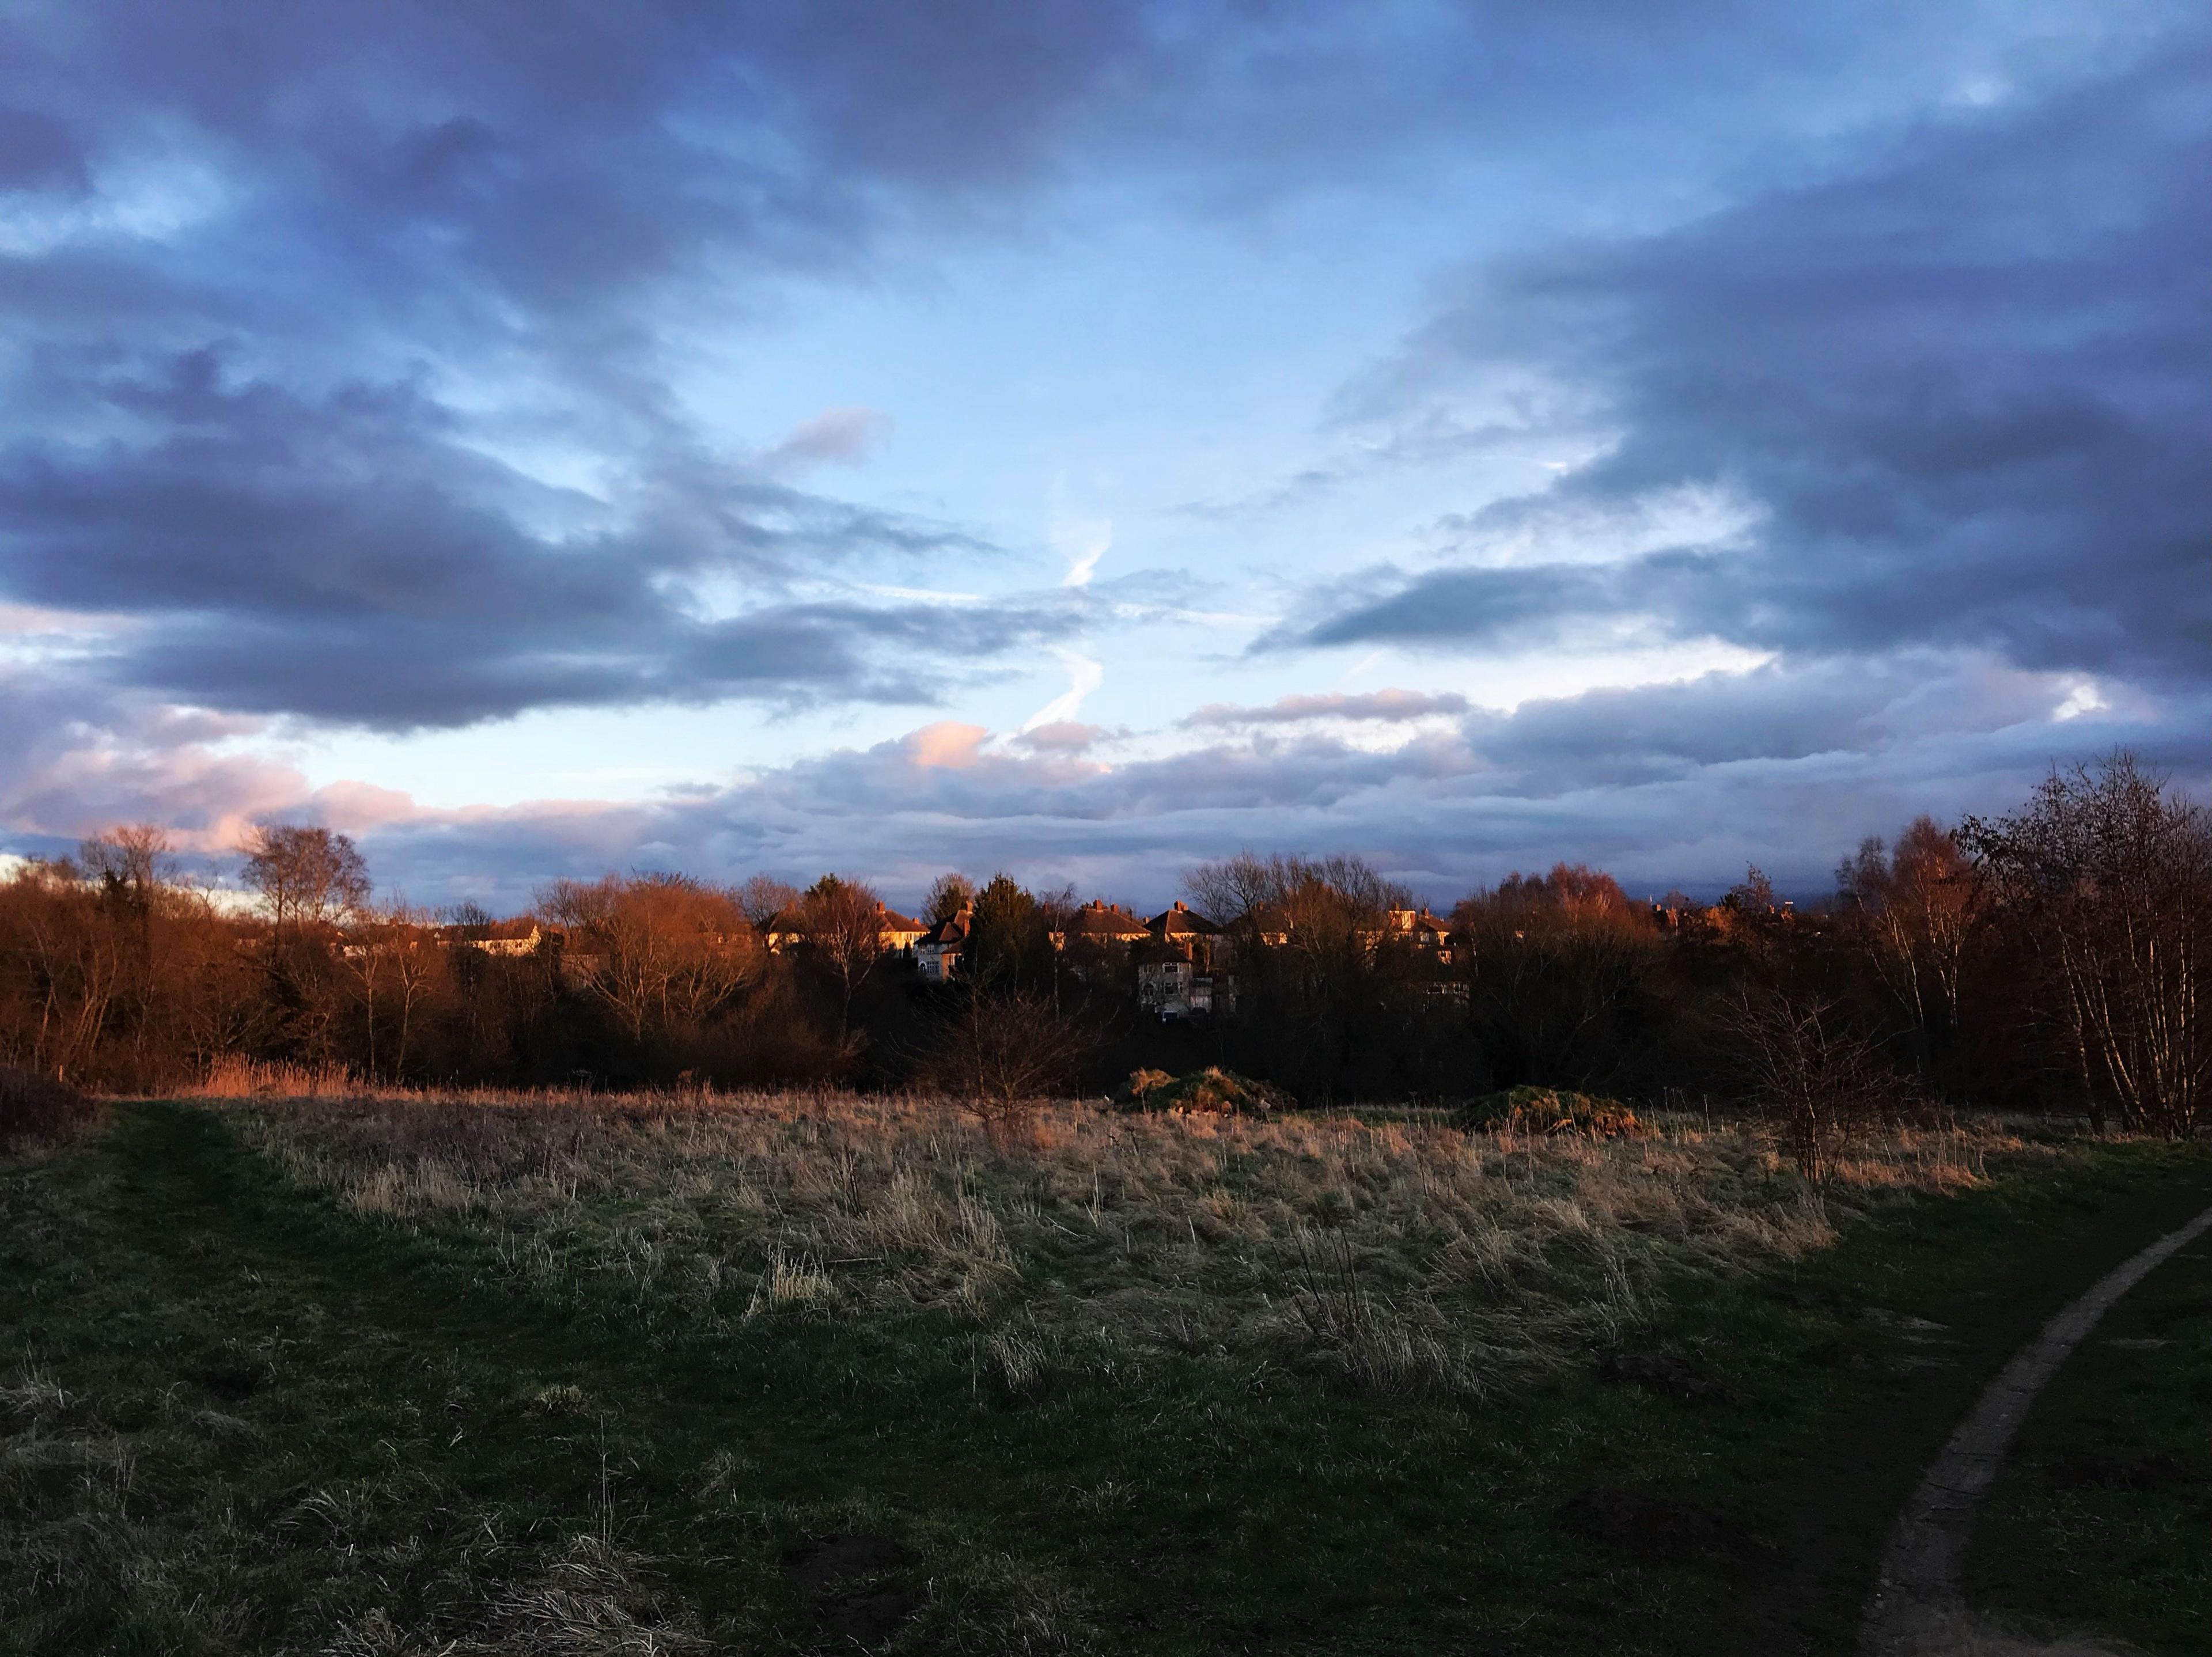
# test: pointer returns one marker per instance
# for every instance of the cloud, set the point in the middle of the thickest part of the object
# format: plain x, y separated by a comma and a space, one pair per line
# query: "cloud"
1385, 706
1084, 677
1667, 784
948, 743
1061, 736
1787, 765
1960, 397
844, 436
1082, 542
353, 558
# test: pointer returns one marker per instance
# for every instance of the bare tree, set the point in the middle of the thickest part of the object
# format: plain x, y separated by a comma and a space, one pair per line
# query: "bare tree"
1560, 970
763, 898
1814, 1080
842, 922
132, 861
304, 874
388, 946
2107, 875
1912, 911
1307, 936
671, 951
1003, 1050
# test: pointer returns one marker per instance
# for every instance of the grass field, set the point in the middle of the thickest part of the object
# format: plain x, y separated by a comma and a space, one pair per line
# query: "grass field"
396, 1376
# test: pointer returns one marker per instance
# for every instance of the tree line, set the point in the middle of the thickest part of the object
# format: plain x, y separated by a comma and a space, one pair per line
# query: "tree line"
2050, 958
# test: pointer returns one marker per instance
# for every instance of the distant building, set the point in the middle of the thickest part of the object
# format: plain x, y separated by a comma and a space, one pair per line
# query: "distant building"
896, 934
1099, 924
511, 938
1178, 965
937, 950
1421, 930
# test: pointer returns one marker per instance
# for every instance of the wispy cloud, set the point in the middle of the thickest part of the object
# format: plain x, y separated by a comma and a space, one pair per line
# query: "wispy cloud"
1084, 677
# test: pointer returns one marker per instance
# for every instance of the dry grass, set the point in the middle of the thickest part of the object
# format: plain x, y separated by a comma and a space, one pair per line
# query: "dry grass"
233, 1077
1409, 1258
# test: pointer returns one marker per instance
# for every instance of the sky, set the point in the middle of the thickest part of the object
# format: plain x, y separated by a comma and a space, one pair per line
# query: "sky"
1081, 440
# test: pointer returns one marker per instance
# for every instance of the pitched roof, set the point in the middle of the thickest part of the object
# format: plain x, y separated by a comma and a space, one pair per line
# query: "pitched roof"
953, 931
1180, 920
1097, 919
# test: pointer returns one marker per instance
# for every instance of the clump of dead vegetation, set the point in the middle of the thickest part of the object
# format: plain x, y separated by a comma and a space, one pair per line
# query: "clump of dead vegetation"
36, 1108
1409, 1257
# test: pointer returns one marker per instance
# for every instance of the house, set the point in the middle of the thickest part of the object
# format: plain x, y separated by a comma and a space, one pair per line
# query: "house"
1178, 965
1099, 924
1167, 985
1180, 924
511, 938
896, 934
937, 950
1423, 930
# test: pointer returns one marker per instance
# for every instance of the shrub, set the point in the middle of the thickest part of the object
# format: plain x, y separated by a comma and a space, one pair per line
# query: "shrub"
1548, 1110
1142, 1085
1221, 1091
33, 1106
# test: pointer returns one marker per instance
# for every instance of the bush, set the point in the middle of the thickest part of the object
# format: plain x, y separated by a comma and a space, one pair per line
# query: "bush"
34, 1107
1212, 1088
1548, 1110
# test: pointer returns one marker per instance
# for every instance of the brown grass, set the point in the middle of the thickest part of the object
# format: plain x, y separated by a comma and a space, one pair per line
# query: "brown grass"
1406, 1257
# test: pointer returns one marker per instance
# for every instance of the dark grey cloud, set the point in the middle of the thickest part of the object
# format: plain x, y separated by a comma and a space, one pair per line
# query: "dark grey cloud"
1385, 706
36, 152
1967, 394
351, 558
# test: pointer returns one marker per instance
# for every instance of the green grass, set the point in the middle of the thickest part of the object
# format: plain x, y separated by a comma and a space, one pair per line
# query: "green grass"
2102, 1520
235, 1417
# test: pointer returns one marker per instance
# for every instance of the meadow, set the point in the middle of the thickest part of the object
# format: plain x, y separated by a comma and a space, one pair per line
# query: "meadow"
370, 1372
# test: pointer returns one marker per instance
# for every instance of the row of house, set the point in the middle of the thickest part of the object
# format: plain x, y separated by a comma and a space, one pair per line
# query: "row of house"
1181, 959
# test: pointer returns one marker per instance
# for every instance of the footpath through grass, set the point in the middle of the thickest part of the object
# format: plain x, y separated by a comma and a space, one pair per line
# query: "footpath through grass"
2101, 1523
235, 1417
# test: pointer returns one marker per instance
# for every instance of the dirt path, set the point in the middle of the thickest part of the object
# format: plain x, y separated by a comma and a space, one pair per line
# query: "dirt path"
1918, 1606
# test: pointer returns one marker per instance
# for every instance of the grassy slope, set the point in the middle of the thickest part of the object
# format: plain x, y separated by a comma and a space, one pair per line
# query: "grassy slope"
2083, 1532
408, 1464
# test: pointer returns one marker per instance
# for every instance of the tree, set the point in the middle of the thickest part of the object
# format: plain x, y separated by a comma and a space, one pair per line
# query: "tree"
1317, 1008
842, 922
1009, 941
2105, 877
1003, 1049
763, 898
389, 946
1815, 1079
304, 874
132, 862
949, 893
1911, 911
1560, 970
670, 952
